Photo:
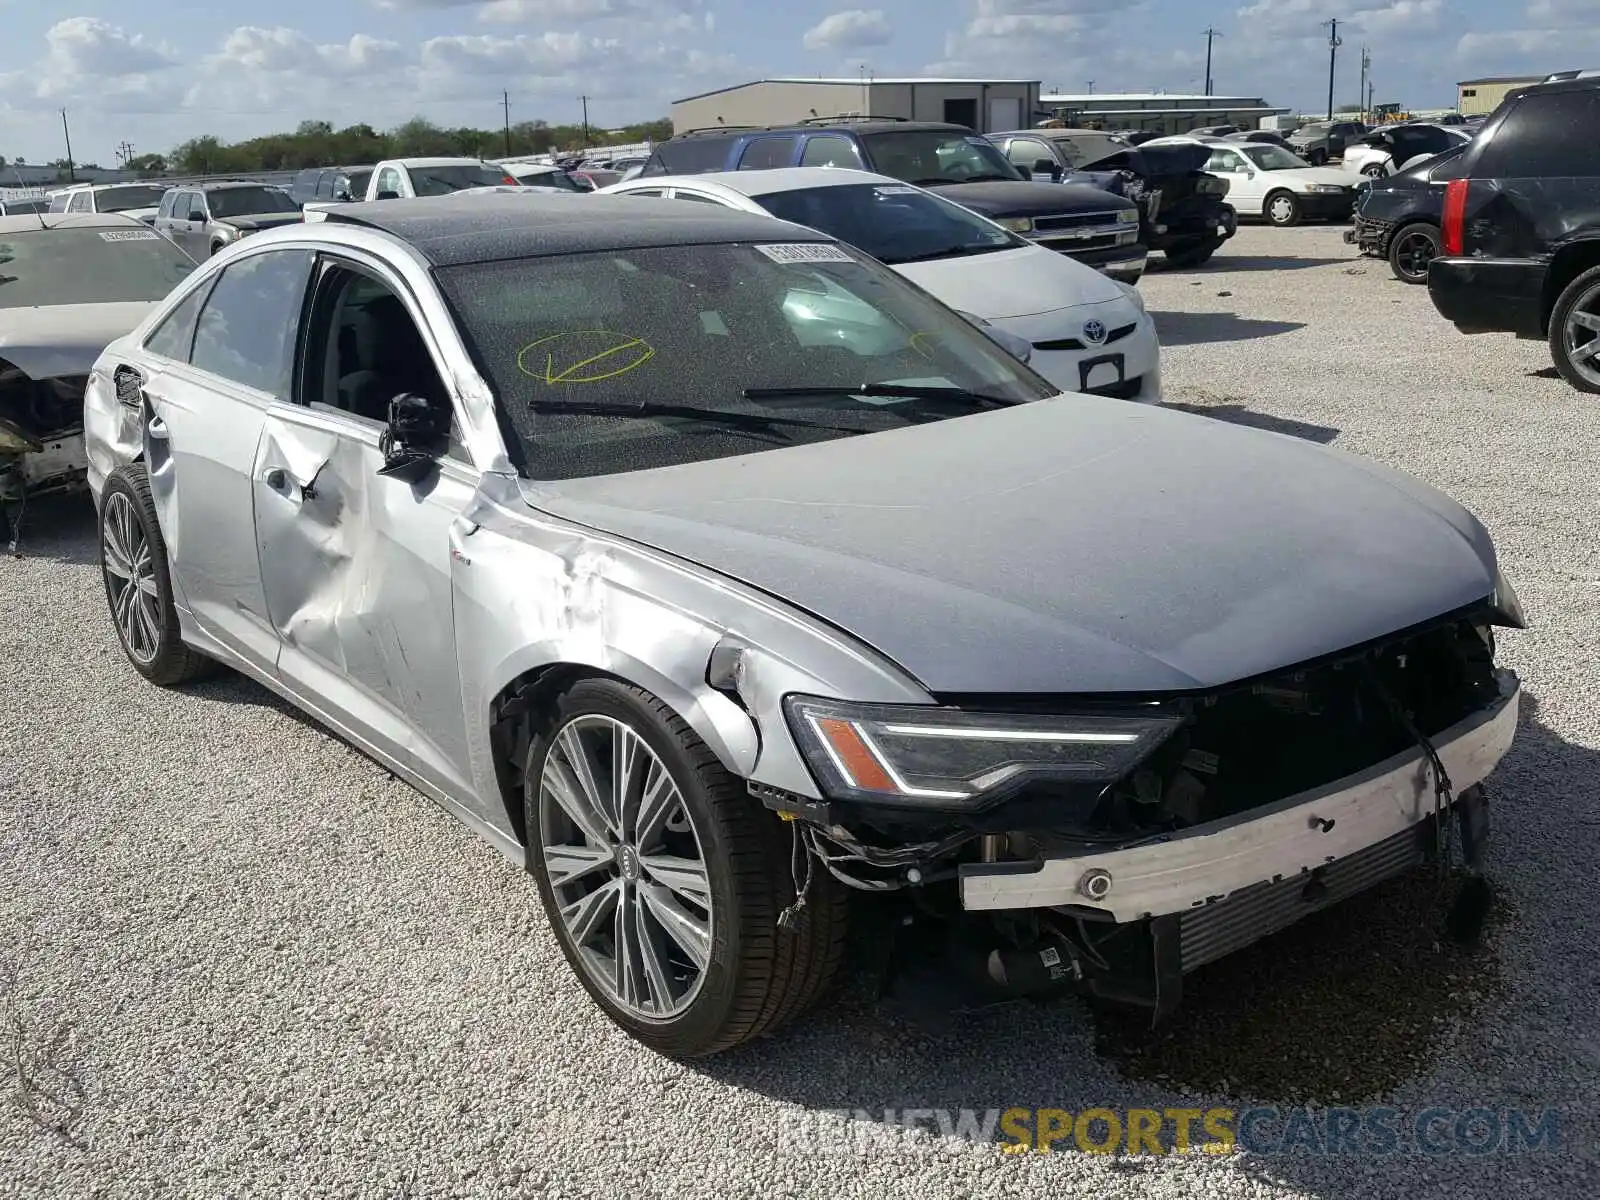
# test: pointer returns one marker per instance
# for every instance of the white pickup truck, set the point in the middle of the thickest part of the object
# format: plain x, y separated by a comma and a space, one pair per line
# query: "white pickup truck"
403, 178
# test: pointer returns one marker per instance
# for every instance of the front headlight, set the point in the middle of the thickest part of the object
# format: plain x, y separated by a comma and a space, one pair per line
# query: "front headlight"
915, 757
1133, 295
1325, 188
1210, 185
1128, 216
1503, 600
227, 232
1016, 224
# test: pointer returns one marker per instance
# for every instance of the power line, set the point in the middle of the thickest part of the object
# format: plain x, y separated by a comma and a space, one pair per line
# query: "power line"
1210, 35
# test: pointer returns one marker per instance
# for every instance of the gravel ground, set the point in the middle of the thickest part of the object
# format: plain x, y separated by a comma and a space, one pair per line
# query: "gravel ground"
249, 962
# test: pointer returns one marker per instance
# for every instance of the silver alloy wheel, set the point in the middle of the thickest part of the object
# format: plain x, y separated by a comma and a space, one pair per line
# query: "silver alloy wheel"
131, 579
1281, 209
1583, 321
625, 866
1374, 171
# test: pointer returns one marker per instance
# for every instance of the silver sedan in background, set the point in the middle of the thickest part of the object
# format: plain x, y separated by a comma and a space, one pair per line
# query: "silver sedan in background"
725, 578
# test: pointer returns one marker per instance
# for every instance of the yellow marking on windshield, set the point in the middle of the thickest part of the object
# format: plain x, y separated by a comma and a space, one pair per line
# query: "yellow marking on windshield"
605, 350
925, 342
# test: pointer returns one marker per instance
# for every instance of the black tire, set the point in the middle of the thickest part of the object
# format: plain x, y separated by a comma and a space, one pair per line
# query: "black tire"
1411, 248
1287, 209
1193, 254
127, 493
758, 976
1577, 292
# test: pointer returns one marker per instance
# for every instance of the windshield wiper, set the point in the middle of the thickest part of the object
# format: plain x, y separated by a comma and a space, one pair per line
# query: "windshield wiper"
948, 252
760, 422
908, 391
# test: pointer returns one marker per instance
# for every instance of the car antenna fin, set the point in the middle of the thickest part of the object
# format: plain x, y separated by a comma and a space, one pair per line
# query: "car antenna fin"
43, 224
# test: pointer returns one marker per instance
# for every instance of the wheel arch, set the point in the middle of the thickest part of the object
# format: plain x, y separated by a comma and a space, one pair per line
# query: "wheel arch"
1568, 262
521, 706
1404, 224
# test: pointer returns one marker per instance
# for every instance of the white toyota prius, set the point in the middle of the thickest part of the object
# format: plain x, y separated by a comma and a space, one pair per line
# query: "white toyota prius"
1086, 333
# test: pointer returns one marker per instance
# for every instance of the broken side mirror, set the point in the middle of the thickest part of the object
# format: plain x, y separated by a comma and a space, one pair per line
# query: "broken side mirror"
414, 439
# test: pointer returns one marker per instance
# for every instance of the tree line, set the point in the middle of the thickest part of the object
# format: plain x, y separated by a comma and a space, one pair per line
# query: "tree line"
319, 144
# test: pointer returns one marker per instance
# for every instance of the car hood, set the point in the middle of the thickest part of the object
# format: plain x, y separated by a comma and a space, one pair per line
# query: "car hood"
1011, 283
1073, 545
64, 339
1018, 198
1307, 175
262, 220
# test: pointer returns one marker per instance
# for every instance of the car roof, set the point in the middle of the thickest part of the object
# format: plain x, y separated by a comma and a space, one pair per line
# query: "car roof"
449, 160
24, 222
450, 231
775, 179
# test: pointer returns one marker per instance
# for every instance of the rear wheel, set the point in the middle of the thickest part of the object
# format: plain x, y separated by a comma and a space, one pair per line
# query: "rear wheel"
1575, 332
1375, 171
133, 565
1193, 254
1411, 250
1282, 209
664, 880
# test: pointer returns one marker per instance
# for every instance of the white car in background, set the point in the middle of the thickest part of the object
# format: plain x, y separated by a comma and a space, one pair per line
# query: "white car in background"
1085, 332
1374, 155
1270, 182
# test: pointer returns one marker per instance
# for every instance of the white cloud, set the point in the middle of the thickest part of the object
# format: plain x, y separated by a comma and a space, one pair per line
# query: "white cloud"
850, 29
88, 46
1551, 34
1308, 18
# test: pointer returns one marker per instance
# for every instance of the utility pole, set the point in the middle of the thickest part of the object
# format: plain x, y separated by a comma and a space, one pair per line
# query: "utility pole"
585, 100
1334, 42
1091, 87
505, 104
1209, 35
72, 176
125, 152
1364, 94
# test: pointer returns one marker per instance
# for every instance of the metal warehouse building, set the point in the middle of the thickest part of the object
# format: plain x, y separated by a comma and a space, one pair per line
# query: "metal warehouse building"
987, 105
1156, 112
1475, 97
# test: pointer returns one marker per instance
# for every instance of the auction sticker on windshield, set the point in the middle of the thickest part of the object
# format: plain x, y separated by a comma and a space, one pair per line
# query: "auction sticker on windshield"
805, 252
131, 235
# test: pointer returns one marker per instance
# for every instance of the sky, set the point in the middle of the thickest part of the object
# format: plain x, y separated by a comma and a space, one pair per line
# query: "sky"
155, 73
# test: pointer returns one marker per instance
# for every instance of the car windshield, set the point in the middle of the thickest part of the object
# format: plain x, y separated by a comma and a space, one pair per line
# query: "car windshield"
625, 360
249, 202
356, 183
928, 156
552, 177
1272, 158
1312, 131
892, 222
1081, 149
121, 199
440, 181
45, 267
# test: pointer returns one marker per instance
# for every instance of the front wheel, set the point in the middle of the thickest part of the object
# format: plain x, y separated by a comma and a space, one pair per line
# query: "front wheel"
1374, 171
1575, 332
1193, 254
133, 565
1410, 252
1282, 209
664, 879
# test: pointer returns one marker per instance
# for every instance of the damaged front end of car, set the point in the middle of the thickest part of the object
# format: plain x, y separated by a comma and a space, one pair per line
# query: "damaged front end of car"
1112, 845
1181, 205
41, 440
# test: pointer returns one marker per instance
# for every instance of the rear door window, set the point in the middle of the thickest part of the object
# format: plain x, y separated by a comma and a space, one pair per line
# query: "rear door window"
694, 155
767, 152
830, 150
1545, 136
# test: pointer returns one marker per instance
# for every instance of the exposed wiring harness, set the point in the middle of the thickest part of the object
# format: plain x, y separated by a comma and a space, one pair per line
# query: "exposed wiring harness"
1444, 798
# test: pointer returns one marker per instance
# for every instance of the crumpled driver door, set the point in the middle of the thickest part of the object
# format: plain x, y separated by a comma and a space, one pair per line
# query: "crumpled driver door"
356, 569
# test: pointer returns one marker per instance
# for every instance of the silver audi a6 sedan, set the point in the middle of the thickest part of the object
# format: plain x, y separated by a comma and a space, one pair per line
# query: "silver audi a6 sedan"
722, 576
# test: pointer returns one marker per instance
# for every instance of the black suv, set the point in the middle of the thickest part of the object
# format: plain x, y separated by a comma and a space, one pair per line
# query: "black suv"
1521, 227
1095, 227
1399, 217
